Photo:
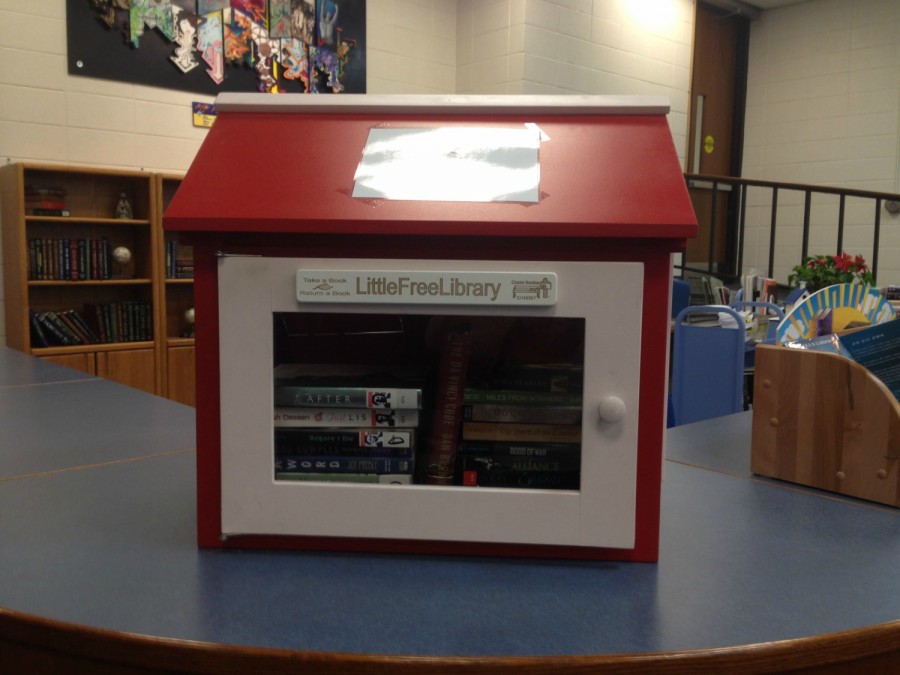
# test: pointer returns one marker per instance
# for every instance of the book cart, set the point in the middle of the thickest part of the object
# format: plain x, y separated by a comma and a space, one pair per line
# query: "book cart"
452, 258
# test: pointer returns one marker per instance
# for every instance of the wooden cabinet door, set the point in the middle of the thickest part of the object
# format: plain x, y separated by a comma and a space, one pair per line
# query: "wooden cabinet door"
134, 367
85, 362
181, 379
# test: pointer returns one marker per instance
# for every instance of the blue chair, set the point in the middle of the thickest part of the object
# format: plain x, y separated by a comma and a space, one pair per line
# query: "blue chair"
707, 367
681, 296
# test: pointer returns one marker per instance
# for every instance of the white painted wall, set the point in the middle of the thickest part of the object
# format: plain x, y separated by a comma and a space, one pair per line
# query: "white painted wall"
578, 47
413, 46
824, 108
823, 100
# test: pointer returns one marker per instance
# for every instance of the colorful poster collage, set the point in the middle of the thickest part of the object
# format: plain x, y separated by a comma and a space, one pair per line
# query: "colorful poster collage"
308, 46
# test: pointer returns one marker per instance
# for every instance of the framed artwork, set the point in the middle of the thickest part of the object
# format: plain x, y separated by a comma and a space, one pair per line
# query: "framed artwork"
209, 46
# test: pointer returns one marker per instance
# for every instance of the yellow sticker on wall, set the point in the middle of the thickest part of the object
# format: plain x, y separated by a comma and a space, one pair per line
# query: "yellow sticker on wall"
709, 144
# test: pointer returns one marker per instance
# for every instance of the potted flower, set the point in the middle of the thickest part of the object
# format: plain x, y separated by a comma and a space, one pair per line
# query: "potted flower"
818, 271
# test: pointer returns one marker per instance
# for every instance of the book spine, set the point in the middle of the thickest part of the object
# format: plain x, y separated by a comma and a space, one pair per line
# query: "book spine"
451, 382
337, 464
540, 480
38, 337
85, 328
71, 335
72, 325
375, 438
514, 455
52, 329
105, 261
490, 412
536, 378
347, 397
345, 417
513, 397
287, 448
382, 478
36, 211
500, 431
39, 202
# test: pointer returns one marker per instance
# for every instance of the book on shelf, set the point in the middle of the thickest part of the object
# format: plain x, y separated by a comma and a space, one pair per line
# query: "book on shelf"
558, 377
475, 471
45, 191
291, 449
179, 260
53, 334
339, 386
61, 259
45, 201
38, 336
53, 212
68, 318
498, 412
511, 455
339, 464
447, 418
126, 321
345, 417
521, 431
381, 478
877, 348
336, 439
347, 396
79, 321
518, 397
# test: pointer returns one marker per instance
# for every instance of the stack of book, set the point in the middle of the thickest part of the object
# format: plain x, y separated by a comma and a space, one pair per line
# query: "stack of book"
127, 321
65, 327
45, 201
179, 260
61, 259
522, 428
345, 423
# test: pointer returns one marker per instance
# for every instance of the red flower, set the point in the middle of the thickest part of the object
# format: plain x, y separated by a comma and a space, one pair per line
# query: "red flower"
844, 262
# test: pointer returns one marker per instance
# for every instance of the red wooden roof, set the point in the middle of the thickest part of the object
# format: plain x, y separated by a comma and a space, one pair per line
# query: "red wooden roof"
286, 163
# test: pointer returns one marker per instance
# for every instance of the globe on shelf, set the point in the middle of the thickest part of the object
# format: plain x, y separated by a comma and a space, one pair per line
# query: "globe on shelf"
121, 255
189, 323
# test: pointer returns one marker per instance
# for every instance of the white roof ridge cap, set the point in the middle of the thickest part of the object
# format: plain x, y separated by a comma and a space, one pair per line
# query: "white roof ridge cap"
578, 104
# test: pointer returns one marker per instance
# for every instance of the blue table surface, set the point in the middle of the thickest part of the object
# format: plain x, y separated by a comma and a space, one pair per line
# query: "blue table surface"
97, 527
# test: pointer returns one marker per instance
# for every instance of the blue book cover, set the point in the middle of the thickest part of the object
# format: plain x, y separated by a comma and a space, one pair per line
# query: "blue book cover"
878, 349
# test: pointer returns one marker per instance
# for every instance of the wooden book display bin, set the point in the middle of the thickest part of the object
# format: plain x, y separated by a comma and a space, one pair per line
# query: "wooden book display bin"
825, 421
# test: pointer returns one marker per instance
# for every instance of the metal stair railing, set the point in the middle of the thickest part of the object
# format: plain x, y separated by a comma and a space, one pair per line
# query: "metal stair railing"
733, 187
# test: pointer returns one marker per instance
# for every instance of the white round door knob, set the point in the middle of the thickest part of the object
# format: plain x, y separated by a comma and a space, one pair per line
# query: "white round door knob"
612, 409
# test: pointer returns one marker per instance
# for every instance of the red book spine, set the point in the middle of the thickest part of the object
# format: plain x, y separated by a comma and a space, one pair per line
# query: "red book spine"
451, 383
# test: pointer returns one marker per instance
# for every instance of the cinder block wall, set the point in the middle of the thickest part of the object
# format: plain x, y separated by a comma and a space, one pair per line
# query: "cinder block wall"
823, 108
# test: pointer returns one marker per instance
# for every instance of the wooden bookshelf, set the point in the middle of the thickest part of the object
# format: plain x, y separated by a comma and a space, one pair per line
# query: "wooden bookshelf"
176, 298
61, 259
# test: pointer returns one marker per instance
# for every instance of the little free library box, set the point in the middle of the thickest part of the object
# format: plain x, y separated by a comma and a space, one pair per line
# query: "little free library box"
433, 324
